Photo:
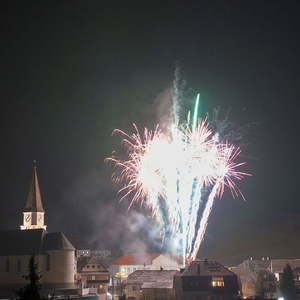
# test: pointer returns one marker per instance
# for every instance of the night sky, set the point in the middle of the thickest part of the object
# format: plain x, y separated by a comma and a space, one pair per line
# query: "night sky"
72, 71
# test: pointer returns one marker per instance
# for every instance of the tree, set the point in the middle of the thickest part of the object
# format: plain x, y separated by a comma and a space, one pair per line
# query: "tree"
265, 284
32, 290
287, 284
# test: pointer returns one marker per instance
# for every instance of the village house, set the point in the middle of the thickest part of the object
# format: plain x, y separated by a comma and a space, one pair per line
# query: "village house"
150, 285
92, 275
206, 279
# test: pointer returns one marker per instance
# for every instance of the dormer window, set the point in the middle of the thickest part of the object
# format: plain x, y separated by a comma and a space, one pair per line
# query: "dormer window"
217, 281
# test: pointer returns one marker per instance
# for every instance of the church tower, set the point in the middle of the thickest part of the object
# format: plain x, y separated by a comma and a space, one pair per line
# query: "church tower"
33, 214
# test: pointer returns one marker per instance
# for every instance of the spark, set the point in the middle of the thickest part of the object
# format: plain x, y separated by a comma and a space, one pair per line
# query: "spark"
177, 175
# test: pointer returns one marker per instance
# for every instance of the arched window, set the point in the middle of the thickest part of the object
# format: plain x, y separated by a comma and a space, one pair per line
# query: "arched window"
7, 265
48, 262
19, 266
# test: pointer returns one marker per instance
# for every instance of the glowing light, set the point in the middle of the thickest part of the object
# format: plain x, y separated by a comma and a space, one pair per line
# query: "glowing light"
177, 175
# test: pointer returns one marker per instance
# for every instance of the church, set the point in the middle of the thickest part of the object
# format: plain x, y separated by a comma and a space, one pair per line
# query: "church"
53, 252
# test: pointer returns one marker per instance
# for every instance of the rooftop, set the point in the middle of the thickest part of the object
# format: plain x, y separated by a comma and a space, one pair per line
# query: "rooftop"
33, 241
206, 268
96, 261
152, 278
136, 259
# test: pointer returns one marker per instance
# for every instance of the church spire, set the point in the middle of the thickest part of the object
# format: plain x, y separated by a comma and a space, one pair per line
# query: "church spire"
34, 199
33, 214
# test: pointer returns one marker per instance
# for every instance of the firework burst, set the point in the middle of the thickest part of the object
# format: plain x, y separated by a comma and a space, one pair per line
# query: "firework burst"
177, 175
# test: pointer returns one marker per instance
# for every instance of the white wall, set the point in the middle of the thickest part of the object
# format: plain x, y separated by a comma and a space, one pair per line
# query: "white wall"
61, 267
166, 262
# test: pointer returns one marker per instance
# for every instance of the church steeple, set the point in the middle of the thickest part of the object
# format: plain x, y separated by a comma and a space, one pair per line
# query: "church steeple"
33, 215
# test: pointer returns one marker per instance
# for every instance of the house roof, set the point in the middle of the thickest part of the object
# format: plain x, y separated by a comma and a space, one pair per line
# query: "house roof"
206, 268
136, 259
34, 199
97, 261
152, 278
30, 242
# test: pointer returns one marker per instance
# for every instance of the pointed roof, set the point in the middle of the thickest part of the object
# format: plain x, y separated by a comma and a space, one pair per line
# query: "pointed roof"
57, 241
34, 241
34, 199
206, 268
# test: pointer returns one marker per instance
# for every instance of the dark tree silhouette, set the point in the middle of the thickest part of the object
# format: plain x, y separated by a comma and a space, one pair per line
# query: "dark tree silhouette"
32, 290
287, 284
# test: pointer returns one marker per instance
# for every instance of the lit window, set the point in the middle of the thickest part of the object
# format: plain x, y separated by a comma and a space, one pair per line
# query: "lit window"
93, 277
217, 281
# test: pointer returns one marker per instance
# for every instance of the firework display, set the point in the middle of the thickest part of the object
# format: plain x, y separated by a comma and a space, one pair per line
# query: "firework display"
177, 174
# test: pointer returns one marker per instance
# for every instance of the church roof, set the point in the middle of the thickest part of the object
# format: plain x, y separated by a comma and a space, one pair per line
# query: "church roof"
21, 242
34, 199
57, 241
30, 242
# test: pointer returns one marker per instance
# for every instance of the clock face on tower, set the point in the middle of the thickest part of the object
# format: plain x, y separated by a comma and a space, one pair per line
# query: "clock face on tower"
27, 218
40, 218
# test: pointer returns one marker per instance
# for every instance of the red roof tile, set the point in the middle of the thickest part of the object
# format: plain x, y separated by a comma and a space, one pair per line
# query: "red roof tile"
136, 259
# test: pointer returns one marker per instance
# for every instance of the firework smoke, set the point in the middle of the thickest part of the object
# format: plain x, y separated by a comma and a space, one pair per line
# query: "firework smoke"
177, 173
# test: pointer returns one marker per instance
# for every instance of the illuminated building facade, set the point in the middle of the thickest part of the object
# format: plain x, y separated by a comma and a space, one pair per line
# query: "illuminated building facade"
93, 275
33, 215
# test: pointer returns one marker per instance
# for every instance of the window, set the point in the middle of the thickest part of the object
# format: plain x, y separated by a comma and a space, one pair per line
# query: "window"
217, 281
19, 265
93, 277
93, 266
87, 266
48, 262
7, 265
